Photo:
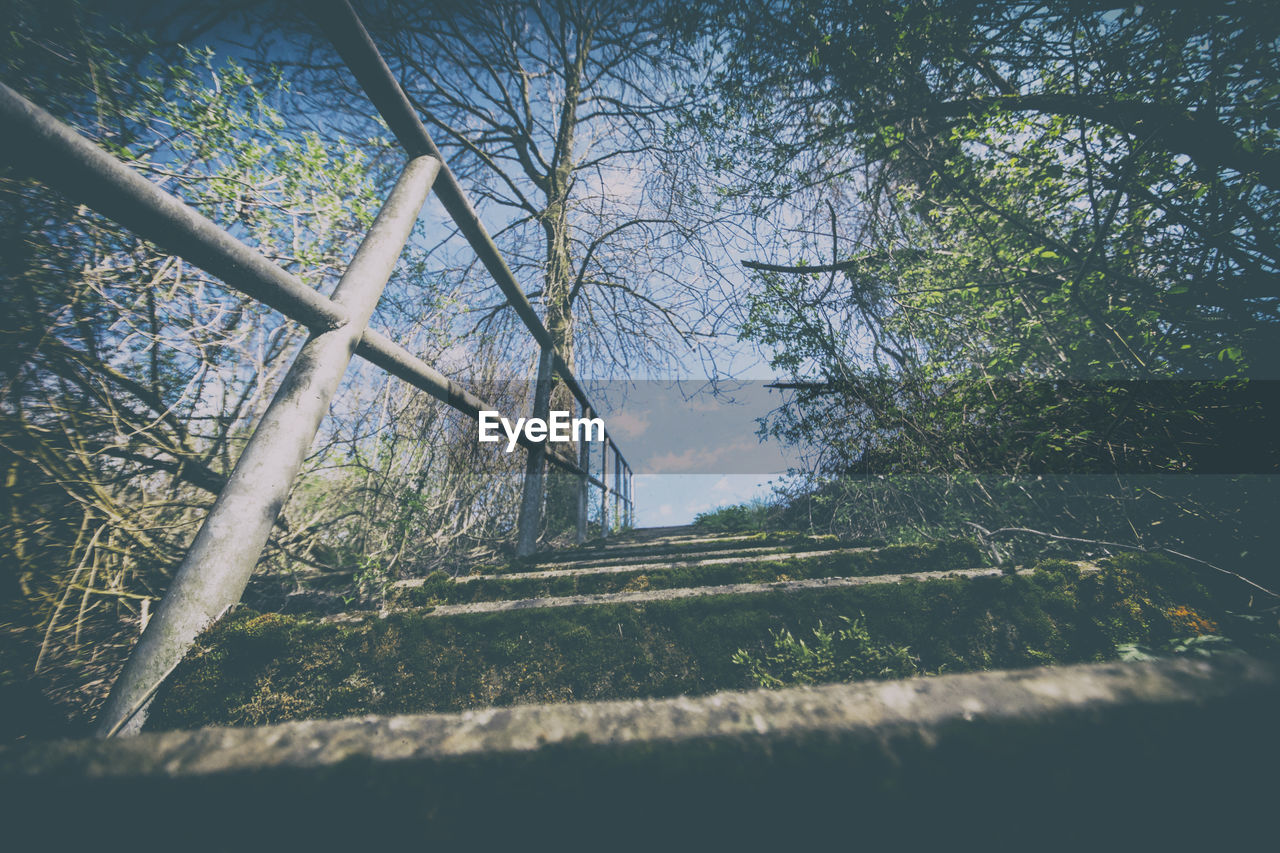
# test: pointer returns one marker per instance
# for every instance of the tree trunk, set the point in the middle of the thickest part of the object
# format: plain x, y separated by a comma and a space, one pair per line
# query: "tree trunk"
559, 488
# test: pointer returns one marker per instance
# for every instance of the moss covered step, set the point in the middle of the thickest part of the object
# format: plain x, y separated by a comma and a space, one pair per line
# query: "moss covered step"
661, 535
332, 591
625, 543
770, 568
671, 594
325, 590
646, 556
700, 544
1186, 747
649, 562
642, 558
252, 668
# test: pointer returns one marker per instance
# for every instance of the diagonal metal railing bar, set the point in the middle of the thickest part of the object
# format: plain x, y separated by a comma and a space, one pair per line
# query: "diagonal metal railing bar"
216, 568
61, 158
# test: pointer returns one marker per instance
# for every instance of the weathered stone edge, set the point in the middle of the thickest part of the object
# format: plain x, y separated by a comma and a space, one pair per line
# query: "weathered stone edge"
642, 560
754, 555
871, 711
650, 595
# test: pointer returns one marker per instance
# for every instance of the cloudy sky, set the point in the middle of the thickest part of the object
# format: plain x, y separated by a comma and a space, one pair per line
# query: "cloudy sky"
692, 450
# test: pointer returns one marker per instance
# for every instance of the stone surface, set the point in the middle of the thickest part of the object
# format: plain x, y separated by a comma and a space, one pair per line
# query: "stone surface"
1052, 751
572, 569
864, 709
643, 596
645, 558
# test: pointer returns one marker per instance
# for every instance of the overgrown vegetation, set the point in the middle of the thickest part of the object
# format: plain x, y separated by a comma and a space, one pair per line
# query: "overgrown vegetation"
756, 516
1020, 519
254, 668
1031, 282
847, 654
130, 380
1015, 265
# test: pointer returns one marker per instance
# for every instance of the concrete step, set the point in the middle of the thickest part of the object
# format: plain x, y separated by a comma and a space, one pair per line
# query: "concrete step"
641, 557
656, 549
753, 555
253, 668
644, 596
320, 590
691, 539
326, 591
1066, 755
752, 568
758, 565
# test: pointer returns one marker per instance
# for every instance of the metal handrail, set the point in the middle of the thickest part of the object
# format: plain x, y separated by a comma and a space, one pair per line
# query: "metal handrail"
217, 567
344, 29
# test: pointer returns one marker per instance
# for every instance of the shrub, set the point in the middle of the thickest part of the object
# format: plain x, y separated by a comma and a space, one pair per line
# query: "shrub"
755, 516
847, 654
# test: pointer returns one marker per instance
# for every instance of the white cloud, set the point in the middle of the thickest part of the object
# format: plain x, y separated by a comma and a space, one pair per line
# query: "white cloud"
627, 424
701, 460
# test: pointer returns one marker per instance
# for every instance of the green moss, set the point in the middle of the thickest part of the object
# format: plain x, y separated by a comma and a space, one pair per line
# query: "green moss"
255, 668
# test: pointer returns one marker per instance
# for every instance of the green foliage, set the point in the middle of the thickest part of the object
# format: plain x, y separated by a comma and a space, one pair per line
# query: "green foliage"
372, 581
847, 654
1201, 646
1222, 519
1014, 226
754, 516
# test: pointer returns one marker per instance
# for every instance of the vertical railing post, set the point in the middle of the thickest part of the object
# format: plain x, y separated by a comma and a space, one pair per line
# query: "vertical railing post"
617, 488
534, 491
216, 569
584, 462
631, 501
604, 487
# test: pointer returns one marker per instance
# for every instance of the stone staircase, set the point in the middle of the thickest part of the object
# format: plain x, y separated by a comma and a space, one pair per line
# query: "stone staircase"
682, 553
687, 560
587, 697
